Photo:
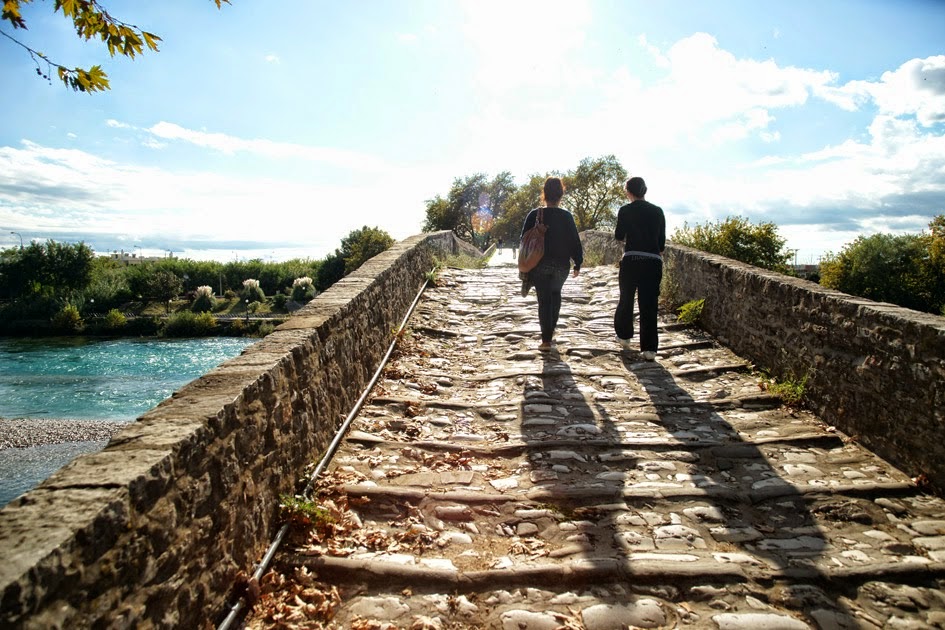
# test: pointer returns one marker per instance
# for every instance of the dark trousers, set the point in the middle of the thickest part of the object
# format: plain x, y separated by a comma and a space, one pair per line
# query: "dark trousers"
639, 277
548, 278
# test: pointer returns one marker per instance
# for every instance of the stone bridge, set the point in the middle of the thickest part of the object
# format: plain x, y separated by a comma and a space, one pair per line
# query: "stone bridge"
486, 484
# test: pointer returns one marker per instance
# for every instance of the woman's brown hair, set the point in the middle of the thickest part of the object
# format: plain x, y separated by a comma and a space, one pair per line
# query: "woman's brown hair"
553, 191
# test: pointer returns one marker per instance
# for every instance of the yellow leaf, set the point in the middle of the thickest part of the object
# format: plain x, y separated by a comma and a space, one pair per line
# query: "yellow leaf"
68, 7
151, 40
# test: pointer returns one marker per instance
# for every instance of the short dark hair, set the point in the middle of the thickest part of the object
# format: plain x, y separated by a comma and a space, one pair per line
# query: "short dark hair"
636, 186
553, 190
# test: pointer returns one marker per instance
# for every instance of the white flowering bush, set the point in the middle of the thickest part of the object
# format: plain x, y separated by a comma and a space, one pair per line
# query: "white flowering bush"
303, 289
203, 299
251, 291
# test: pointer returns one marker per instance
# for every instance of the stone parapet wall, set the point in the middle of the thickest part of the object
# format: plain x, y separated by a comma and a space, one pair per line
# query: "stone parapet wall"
159, 527
601, 247
874, 370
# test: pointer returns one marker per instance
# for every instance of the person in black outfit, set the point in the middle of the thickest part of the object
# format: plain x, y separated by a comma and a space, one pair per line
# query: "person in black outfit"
562, 245
642, 227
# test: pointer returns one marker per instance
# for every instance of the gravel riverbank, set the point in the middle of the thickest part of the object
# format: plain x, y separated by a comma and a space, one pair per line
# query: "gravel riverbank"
23, 433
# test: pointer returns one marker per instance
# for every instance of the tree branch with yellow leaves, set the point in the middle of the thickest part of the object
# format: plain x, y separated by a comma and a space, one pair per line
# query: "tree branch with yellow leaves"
90, 19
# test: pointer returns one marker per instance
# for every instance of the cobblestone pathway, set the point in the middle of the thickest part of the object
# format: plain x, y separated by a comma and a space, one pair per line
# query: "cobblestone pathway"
488, 485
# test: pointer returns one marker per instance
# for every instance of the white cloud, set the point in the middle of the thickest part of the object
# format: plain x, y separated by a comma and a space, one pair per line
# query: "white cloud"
917, 87
228, 144
272, 58
407, 38
705, 99
75, 192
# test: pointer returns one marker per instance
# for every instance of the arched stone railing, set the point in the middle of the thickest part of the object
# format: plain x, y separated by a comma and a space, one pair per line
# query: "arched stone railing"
874, 370
158, 528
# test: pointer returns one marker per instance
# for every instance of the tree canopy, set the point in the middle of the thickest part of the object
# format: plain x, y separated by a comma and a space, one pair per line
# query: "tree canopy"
735, 237
47, 269
356, 248
90, 20
905, 269
482, 210
595, 189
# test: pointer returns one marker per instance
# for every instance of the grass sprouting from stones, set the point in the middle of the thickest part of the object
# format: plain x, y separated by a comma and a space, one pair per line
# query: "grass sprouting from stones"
690, 312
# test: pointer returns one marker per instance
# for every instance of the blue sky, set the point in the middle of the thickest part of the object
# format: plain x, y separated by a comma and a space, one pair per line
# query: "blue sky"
272, 130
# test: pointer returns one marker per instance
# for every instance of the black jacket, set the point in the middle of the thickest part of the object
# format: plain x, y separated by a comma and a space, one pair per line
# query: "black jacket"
642, 227
562, 243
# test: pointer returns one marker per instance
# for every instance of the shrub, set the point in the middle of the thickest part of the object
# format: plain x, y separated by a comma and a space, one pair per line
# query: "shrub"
690, 312
279, 300
264, 329
68, 319
229, 294
189, 324
737, 238
203, 300
114, 319
251, 291
303, 289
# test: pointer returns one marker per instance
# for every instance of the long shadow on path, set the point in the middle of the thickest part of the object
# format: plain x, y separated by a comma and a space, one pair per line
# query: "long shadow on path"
662, 495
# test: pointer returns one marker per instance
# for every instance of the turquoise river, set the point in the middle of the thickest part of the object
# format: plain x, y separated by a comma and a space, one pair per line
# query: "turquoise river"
79, 378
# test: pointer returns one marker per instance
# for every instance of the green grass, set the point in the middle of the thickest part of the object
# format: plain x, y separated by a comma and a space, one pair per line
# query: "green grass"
463, 261
790, 390
302, 512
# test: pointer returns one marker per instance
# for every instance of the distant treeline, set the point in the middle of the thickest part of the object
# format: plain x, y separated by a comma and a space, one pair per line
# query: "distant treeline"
40, 280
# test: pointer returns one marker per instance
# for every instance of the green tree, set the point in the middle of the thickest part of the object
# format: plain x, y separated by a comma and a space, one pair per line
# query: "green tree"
516, 207
163, 285
108, 284
330, 271
456, 212
594, 192
90, 20
905, 269
356, 248
49, 269
494, 206
362, 245
735, 237
473, 208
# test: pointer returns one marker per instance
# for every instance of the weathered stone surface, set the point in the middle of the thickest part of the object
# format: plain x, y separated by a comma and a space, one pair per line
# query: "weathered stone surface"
719, 507
188, 494
486, 483
874, 370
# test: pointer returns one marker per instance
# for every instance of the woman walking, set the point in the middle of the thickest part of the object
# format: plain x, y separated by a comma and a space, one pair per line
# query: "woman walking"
562, 245
642, 227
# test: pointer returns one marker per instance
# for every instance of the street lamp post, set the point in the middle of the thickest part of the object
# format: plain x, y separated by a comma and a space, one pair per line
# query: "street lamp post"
21, 238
